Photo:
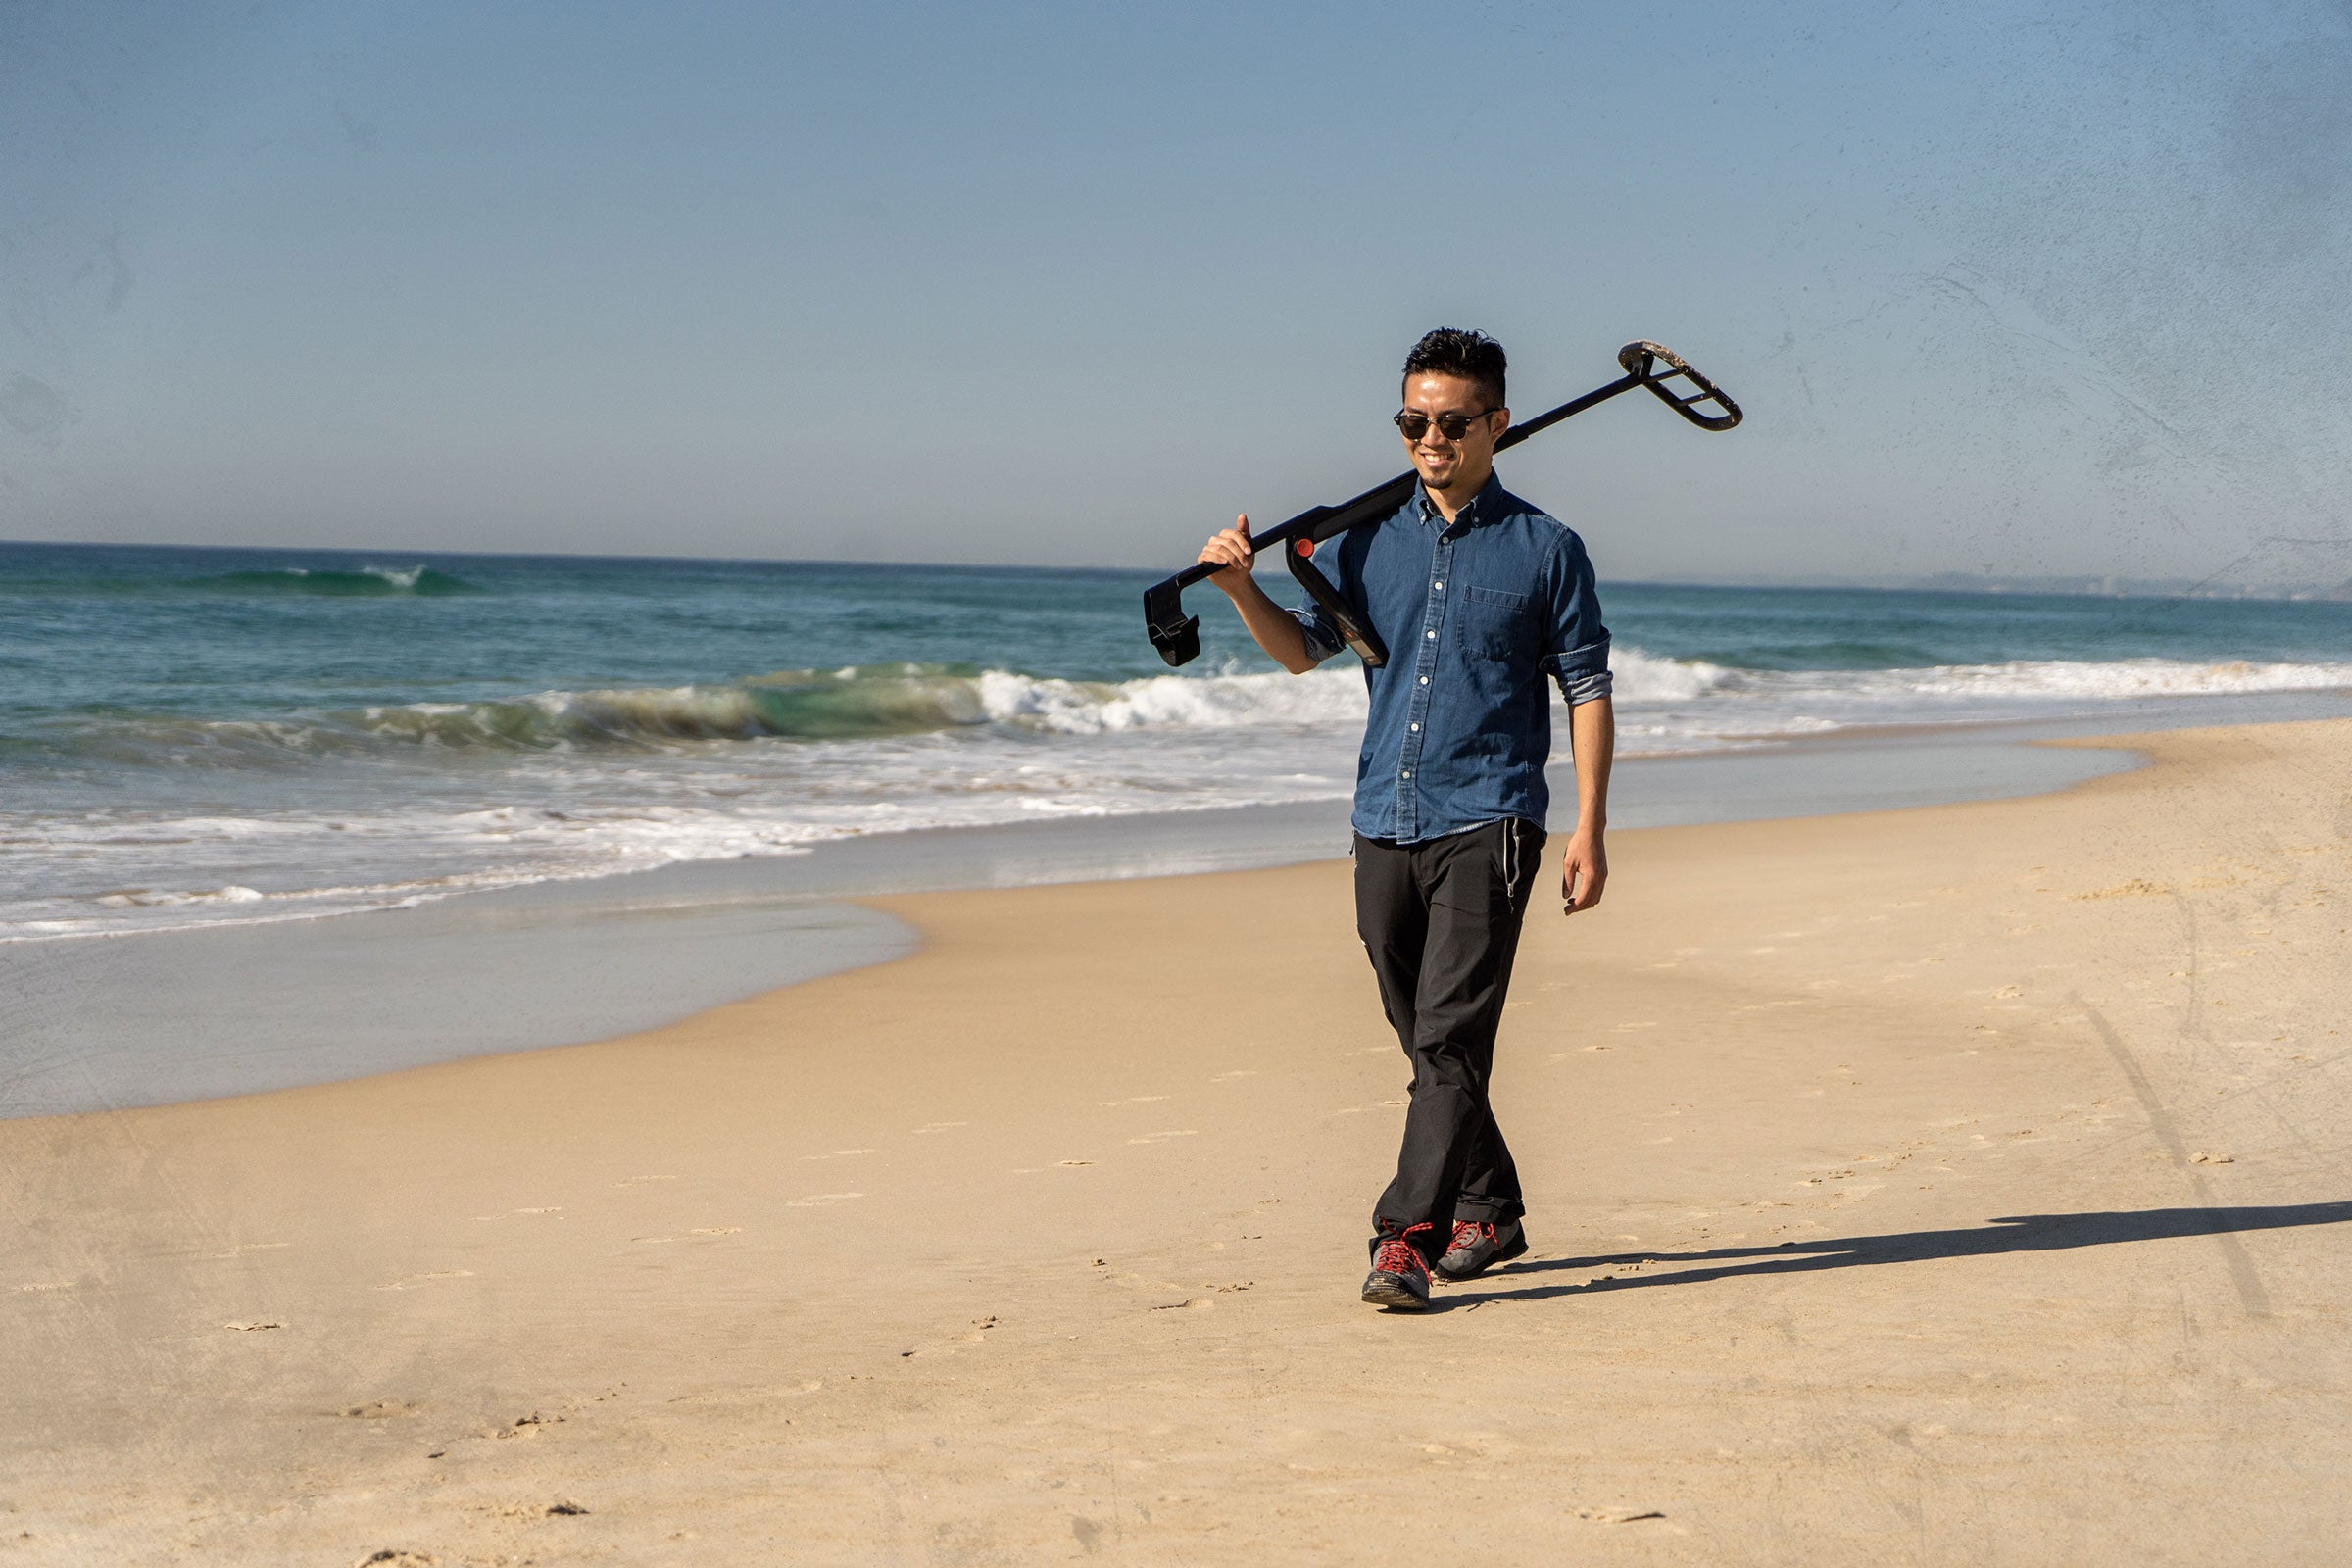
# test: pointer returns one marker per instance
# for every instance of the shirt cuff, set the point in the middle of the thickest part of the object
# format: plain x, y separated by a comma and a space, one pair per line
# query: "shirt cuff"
1319, 645
1582, 689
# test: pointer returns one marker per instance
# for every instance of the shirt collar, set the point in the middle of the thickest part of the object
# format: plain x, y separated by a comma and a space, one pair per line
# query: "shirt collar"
1473, 511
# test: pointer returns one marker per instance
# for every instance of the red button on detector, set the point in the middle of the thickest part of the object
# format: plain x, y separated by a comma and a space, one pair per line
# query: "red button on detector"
1306, 546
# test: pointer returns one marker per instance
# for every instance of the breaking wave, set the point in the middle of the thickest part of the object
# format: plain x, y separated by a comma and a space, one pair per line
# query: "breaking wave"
875, 701
844, 705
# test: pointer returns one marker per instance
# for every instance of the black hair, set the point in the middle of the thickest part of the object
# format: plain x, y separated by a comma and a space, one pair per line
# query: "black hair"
1472, 355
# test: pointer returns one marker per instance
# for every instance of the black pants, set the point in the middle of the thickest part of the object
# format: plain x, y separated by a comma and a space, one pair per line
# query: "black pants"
1441, 921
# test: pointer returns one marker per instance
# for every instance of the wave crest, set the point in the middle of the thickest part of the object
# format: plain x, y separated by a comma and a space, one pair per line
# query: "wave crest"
859, 702
368, 582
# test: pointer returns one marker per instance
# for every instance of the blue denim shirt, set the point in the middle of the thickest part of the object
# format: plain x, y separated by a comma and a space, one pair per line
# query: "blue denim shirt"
1474, 614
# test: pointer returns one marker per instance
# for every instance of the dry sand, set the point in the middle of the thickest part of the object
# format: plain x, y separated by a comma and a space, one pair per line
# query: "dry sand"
1960, 1185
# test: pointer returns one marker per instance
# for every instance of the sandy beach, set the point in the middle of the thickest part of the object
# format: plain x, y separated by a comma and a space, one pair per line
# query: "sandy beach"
1952, 1185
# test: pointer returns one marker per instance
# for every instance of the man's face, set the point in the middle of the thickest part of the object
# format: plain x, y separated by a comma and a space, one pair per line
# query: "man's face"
1441, 461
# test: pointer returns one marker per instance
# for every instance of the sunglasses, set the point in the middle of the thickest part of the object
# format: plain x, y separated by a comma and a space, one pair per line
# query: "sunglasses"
1453, 427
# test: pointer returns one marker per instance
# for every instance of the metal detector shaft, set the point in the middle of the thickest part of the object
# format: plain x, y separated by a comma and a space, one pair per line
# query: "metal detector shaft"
1177, 635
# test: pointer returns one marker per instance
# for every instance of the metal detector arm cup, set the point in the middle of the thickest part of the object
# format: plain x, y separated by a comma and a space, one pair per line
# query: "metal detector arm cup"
1641, 358
1174, 633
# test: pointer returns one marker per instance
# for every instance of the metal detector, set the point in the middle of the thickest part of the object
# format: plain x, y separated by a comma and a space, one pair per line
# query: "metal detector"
1177, 635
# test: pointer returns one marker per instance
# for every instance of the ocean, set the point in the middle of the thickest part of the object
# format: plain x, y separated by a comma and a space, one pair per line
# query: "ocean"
197, 737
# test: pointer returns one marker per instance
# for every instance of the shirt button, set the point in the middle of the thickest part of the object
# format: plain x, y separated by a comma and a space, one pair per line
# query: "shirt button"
1408, 773
1431, 635
1438, 586
1416, 729
1424, 680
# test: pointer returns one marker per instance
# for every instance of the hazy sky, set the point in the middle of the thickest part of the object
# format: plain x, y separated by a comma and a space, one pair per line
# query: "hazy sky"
2007, 287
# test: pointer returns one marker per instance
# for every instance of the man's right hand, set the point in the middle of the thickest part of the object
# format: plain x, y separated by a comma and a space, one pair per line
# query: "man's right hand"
1230, 551
1273, 626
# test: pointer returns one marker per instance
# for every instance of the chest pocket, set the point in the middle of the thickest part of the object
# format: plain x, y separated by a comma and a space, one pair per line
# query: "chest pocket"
1495, 623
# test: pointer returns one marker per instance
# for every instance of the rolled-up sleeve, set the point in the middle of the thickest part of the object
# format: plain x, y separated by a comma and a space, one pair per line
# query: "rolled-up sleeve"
1322, 637
1577, 645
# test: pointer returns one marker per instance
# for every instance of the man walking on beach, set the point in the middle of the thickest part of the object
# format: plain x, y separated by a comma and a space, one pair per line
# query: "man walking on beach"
1479, 596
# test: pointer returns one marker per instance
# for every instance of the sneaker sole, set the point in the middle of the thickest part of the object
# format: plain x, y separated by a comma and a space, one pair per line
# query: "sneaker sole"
1386, 1290
1504, 1256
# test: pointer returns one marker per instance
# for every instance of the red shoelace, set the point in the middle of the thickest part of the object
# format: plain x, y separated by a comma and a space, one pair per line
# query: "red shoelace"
1468, 1233
1397, 1256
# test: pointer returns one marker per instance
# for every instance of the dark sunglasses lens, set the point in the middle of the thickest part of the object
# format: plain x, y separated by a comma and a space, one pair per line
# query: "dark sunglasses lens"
1453, 427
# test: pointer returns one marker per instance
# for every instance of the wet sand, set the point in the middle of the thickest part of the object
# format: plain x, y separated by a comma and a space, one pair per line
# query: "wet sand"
163, 1017
1959, 1184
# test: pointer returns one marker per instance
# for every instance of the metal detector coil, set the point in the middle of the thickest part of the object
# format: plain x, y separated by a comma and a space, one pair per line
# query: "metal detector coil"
1177, 635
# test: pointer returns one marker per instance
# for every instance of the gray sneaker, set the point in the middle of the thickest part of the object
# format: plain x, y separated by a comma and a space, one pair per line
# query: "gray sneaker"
1400, 1280
1478, 1247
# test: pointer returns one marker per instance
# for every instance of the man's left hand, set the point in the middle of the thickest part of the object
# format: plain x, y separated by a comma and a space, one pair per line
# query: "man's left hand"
1583, 872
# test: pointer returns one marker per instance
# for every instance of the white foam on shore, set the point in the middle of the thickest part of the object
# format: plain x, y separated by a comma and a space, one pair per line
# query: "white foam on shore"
410, 807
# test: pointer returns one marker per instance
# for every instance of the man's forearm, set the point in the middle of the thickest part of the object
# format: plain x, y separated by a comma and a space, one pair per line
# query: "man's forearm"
1276, 629
1593, 745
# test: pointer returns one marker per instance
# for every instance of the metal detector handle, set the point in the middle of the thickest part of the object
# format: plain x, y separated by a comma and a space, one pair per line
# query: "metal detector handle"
1177, 635
1639, 358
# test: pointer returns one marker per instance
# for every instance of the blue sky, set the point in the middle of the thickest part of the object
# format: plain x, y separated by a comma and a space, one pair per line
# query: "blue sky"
2011, 289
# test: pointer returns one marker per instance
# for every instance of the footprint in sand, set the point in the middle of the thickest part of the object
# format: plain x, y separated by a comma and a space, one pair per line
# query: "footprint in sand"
822, 1200
1073, 1162
551, 1209
842, 1154
379, 1410
1227, 1077
256, 1326
242, 1247
1162, 1138
978, 1335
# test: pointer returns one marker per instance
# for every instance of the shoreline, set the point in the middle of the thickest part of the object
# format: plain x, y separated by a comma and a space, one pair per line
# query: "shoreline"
1967, 1171
176, 1016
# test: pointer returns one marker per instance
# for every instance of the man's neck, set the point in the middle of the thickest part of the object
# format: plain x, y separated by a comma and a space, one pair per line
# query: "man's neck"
1450, 500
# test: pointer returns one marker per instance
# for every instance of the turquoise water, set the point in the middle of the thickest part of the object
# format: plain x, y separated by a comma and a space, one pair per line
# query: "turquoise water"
210, 735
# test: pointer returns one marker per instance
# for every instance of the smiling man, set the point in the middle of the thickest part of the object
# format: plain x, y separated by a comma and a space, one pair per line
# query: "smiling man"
1480, 599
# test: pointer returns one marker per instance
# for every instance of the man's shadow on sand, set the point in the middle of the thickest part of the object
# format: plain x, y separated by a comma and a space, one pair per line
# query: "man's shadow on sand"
2017, 1233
